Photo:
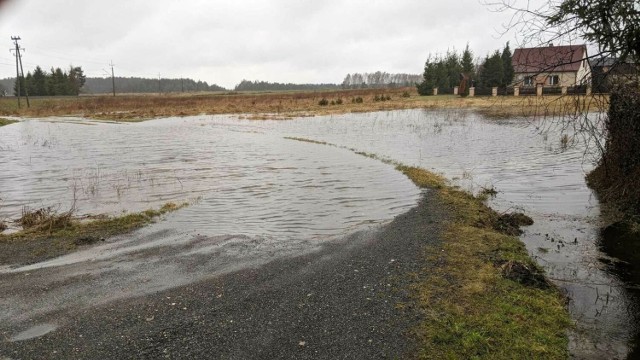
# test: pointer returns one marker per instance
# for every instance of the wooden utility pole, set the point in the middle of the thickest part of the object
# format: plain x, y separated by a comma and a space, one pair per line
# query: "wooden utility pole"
19, 70
113, 79
15, 41
26, 89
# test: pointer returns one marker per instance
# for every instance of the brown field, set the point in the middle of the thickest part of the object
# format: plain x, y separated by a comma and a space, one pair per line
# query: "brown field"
283, 105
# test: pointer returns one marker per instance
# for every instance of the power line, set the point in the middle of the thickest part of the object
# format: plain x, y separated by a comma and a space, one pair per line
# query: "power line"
62, 57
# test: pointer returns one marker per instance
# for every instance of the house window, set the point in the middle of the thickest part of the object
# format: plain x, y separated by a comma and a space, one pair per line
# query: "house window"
554, 80
528, 80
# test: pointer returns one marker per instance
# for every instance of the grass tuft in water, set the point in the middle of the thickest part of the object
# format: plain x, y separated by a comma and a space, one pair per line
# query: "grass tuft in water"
40, 240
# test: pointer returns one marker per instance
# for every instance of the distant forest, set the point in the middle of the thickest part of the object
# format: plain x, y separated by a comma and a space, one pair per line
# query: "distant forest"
246, 85
379, 79
145, 85
6, 85
129, 85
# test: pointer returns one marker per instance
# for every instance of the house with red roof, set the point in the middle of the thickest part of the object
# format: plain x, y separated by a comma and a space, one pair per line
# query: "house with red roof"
565, 65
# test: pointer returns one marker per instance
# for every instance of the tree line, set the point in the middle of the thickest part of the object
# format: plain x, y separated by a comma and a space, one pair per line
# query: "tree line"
146, 85
446, 71
53, 83
379, 79
246, 85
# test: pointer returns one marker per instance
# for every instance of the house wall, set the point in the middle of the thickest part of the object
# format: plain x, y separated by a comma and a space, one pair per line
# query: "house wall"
565, 78
583, 76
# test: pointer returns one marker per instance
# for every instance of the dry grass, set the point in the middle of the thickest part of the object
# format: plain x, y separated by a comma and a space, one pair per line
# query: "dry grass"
282, 105
45, 219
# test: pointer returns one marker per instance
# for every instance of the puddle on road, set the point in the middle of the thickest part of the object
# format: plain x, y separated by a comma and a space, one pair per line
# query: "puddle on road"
34, 332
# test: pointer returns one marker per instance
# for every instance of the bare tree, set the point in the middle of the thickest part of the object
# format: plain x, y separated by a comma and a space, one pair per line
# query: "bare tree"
611, 28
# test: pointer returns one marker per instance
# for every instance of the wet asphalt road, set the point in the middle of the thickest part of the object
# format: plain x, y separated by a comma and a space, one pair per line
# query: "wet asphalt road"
350, 300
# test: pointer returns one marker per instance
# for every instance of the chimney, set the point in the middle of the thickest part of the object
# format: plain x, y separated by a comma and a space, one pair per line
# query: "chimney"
550, 44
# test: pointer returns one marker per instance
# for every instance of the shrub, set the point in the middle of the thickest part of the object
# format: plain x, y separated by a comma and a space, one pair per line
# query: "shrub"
339, 101
45, 218
357, 100
323, 102
406, 94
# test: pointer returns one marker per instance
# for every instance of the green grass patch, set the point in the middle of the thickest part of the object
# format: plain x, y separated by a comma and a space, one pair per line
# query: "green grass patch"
485, 298
4, 121
36, 243
307, 140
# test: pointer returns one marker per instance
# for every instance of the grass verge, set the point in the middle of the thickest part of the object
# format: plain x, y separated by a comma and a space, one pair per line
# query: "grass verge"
481, 294
485, 298
42, 242
4, 121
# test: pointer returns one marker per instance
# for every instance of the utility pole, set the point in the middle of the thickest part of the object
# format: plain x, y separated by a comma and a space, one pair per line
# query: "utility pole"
113, 79
19, 70
182, 83
159, 88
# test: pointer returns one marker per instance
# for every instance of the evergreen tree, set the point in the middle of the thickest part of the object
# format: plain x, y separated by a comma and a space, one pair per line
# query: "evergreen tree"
76, 80
492, 73
468, 68
29, 84
39, 82
441, 72
507, 66
22, 87
59, 82
453, 69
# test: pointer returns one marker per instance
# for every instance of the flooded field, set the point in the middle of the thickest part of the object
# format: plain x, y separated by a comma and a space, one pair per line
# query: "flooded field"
256, 195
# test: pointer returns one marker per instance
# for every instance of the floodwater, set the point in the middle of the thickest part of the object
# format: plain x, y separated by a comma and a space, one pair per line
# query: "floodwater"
256, 195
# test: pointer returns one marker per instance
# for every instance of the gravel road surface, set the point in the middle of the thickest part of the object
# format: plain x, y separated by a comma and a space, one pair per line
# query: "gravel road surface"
350, 300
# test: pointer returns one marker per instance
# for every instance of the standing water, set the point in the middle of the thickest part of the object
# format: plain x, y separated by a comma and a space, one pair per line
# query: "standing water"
258, 195
528, 163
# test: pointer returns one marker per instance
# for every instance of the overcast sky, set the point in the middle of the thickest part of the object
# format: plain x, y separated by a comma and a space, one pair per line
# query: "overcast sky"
224, 42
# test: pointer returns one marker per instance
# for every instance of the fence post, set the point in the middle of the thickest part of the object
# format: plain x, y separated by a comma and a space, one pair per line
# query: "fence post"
563, 90
539, 90
494, 91
516, 91
455, 90
435, 91
472, 91
588, 90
